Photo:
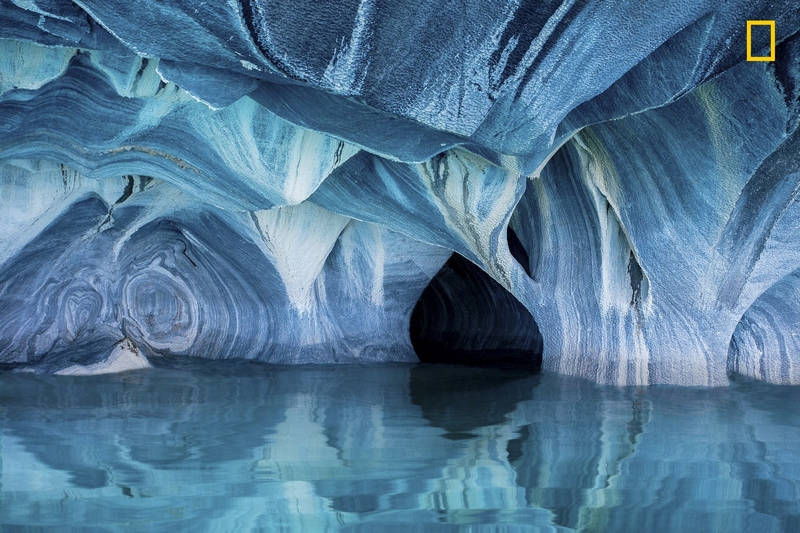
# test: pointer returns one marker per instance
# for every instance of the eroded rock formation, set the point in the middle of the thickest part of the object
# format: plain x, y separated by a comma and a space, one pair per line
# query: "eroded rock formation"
282, 180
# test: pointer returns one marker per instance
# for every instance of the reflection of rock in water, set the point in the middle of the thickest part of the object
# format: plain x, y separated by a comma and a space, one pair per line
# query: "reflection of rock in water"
461, 399
570, 461
153, 420
374, 447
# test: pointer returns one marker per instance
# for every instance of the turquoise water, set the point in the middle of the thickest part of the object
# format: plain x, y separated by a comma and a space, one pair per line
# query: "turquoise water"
208, 446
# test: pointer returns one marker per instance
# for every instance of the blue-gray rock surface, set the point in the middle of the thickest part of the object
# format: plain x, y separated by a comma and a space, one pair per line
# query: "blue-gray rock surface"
282, 180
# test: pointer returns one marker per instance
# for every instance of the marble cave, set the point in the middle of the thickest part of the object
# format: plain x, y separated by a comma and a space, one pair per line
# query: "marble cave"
607, 189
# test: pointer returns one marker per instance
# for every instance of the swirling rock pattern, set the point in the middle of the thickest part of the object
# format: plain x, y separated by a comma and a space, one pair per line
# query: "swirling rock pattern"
258, 180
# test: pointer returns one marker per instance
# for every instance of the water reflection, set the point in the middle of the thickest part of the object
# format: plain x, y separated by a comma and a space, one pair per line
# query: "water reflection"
237, 445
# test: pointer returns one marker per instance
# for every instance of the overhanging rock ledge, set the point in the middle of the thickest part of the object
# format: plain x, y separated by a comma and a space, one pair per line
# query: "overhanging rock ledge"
281, 181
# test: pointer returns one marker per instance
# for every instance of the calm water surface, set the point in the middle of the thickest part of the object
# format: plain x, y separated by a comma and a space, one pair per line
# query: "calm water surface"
239, 446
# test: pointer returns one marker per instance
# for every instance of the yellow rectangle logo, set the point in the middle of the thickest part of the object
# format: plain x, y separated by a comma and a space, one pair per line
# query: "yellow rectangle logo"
771, 24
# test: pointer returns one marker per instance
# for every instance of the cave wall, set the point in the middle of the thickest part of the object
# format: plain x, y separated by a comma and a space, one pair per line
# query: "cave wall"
257, 181
133, 257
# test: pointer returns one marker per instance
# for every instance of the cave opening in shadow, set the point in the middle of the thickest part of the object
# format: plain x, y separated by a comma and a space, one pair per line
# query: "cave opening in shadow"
465, 317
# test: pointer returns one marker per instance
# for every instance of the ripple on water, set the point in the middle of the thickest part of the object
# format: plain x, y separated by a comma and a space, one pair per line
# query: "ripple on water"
243, 445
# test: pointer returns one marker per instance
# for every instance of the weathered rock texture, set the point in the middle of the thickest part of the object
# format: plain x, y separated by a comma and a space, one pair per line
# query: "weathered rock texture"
282, 180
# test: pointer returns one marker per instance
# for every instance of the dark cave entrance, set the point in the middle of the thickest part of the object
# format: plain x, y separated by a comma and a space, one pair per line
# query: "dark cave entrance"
465, 317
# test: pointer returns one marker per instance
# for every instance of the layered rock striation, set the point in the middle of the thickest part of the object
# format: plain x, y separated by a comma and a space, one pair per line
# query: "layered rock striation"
283, 182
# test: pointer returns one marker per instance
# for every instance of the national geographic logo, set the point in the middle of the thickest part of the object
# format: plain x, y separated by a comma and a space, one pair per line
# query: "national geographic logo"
760, 40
